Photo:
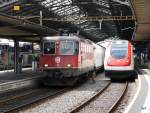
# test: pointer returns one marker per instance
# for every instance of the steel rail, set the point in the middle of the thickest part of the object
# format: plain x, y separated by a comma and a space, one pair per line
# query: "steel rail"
12, 97
76, 109
115, 105
37, 99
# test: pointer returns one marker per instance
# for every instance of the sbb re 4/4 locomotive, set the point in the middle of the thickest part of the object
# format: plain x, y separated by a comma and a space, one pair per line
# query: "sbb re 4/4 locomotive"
119, 60
65, 59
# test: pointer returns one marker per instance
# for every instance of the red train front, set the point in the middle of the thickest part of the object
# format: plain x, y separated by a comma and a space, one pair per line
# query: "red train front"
119, 61
66, 57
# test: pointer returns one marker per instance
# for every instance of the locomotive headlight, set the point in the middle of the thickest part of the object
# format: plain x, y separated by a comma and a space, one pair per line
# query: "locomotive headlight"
46, 65
68, 65
127, 61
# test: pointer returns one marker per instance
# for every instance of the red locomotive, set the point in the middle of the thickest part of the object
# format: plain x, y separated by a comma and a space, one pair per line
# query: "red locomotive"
66, 58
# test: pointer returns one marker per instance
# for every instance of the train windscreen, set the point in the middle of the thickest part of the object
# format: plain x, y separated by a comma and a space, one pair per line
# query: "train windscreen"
68, 47
49, 48
119, 51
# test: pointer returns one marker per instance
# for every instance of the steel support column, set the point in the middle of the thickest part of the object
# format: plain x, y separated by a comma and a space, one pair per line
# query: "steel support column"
41, 44
32, 47
16, 56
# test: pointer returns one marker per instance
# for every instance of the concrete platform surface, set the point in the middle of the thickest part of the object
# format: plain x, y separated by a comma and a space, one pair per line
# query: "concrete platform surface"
141, 100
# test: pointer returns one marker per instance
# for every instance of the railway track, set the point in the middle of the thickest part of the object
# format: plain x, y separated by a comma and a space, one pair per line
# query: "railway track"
114, 106
104, 101
103, 94
14, 102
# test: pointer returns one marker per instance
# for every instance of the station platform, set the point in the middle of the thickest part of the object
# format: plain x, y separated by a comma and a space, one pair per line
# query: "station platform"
141, 101
11, 81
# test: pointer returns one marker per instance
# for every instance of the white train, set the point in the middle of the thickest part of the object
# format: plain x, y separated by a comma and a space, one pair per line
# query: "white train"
119, 60
7, 53
99, 54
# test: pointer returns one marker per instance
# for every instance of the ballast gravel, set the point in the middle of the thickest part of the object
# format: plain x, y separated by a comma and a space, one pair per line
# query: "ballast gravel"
106, 100
67, 101
132, 88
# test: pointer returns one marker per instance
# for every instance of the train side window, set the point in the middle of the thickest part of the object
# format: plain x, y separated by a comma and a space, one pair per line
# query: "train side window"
76, 47
49, 48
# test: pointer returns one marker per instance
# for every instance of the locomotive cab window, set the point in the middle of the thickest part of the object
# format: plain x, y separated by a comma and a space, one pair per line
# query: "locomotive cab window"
68, 47
119, 51
49, 48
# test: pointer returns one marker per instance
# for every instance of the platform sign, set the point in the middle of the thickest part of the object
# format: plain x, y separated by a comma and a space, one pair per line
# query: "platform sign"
16, 8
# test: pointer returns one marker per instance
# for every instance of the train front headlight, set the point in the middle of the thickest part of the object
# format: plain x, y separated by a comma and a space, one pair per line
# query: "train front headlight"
127, 61
69, 65
46, 65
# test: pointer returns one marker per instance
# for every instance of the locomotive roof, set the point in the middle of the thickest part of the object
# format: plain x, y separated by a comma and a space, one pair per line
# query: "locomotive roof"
76, 38
61, 38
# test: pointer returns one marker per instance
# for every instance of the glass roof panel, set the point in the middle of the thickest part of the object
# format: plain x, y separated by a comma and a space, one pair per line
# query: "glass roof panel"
66, 9
69, 10
63, 8
103, 3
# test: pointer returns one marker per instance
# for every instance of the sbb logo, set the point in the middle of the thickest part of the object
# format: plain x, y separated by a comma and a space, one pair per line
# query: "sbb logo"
57, 60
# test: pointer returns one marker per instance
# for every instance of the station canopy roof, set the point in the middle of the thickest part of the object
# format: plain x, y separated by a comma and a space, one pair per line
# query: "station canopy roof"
141, 11
81, 16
